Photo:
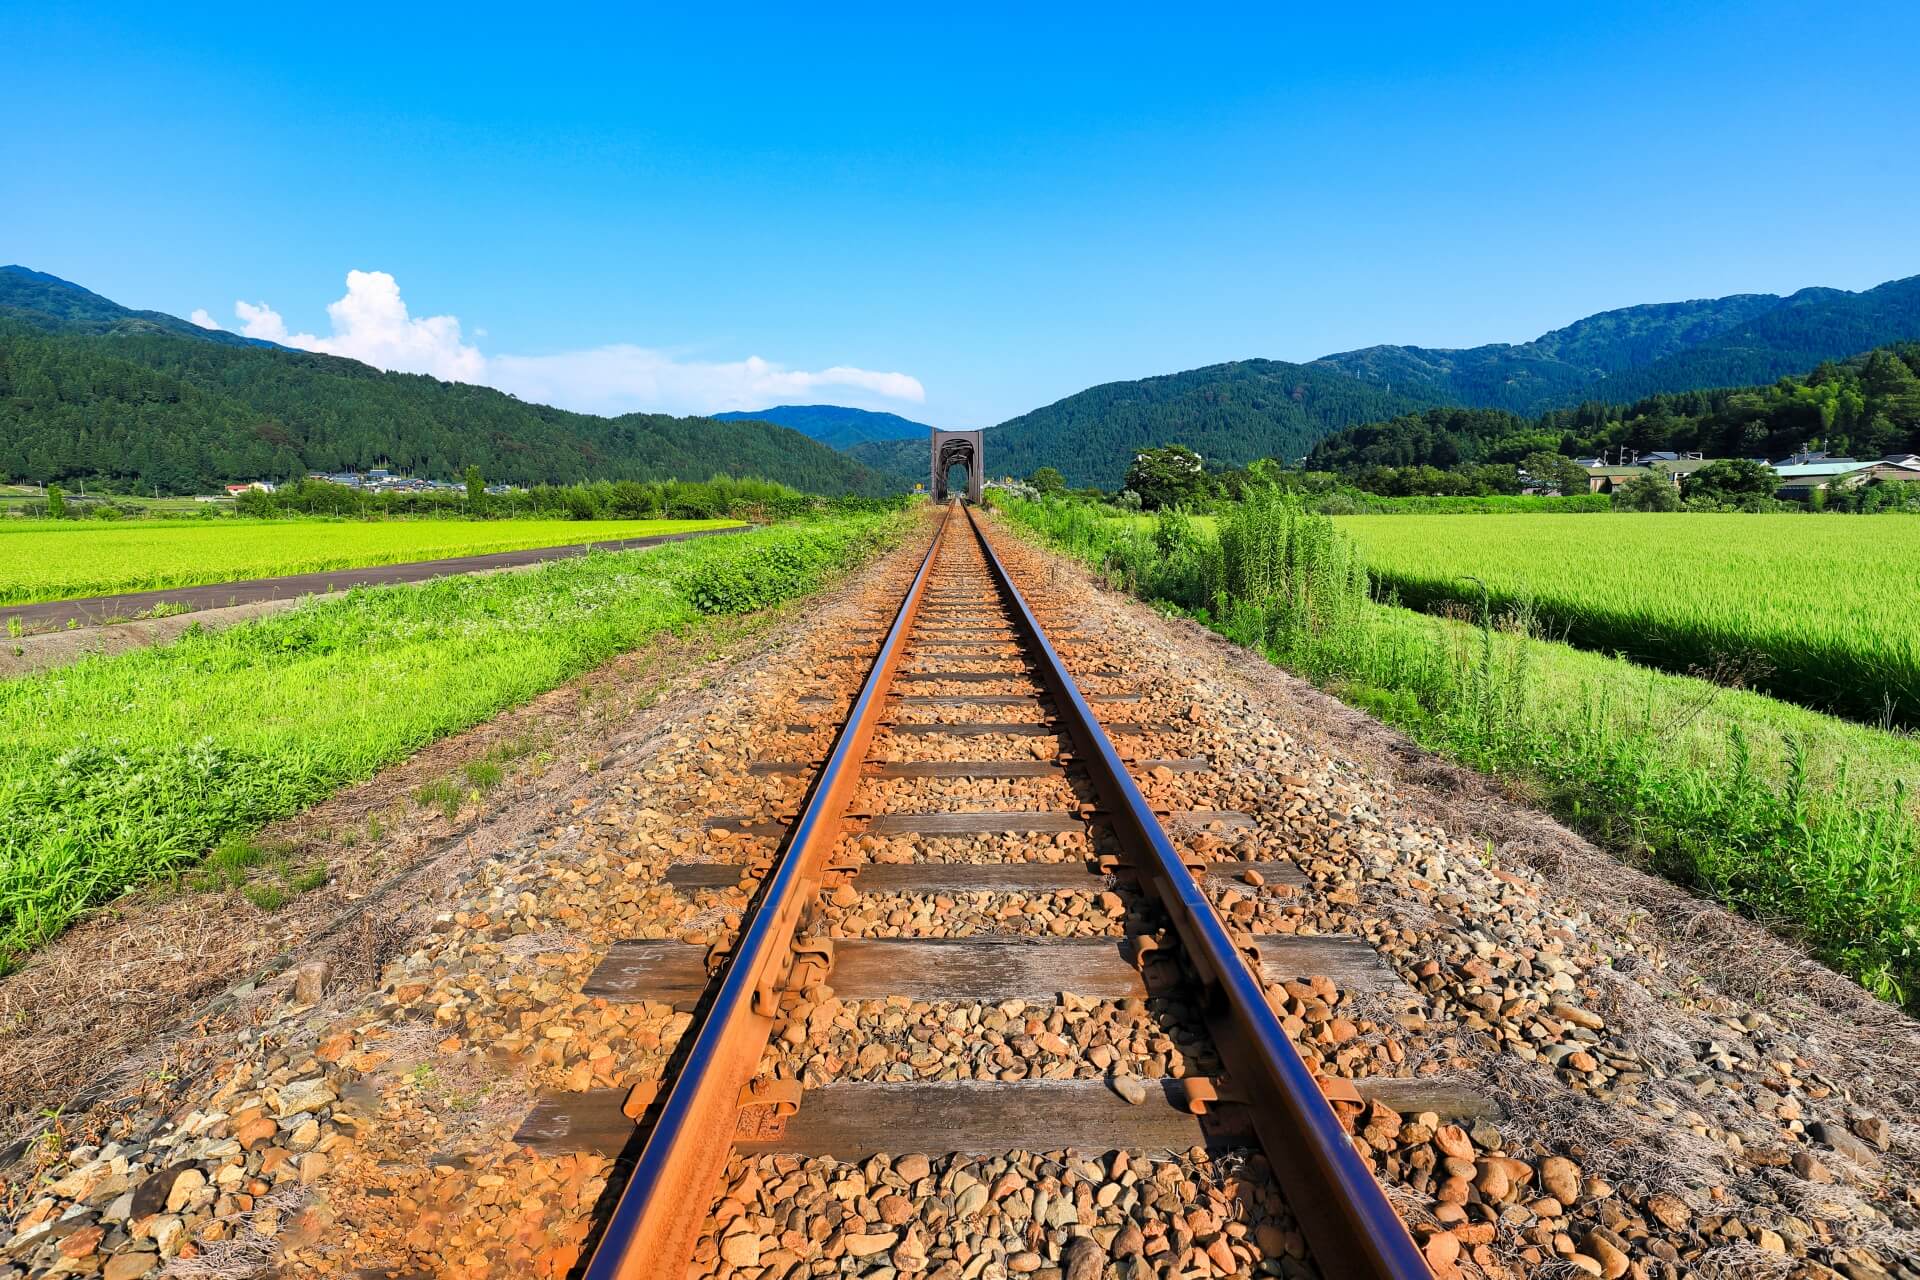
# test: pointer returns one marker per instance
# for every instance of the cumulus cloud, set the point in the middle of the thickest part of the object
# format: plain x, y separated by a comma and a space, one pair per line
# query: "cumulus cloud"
371, 323
258, 320
203, 319
621, 378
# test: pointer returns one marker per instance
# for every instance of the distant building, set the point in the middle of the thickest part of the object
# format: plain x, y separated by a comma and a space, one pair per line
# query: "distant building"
1801, 480
1604, 479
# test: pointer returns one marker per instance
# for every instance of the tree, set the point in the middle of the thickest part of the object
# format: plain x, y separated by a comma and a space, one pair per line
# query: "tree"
476, 488
56, 503
1653, 491
1553, 471
1047, 480
1170, 476
1732, 482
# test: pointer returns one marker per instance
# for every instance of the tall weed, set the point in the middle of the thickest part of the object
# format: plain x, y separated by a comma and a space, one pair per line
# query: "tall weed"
1836, 865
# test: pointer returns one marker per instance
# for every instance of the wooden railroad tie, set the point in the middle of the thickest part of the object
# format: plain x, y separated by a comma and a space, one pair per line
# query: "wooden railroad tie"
851, 1120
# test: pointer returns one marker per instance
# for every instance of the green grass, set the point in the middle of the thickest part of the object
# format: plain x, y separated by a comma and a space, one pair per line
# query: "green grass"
63, 559
1823, 612
1805, 821
124, 769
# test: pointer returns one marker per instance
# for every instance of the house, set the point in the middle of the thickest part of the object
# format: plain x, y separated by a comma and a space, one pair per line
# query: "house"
1904, 468
1607, 479
1807, 457
1801, 480
1673, 466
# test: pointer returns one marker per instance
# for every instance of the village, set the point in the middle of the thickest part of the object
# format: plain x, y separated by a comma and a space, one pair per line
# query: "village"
1801, 476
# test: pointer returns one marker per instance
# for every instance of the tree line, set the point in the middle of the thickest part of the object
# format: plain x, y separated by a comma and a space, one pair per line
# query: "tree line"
159, 413
1865, 407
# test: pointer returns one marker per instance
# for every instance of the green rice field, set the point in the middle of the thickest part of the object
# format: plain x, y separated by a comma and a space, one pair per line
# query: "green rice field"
1800, 819
120, 770
1822, 611
63, 560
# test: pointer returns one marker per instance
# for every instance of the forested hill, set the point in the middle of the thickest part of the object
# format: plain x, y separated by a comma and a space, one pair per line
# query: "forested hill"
1636, 351
61, 306
1865, 407
833, 425
1229, 413
87, 395
1233, 413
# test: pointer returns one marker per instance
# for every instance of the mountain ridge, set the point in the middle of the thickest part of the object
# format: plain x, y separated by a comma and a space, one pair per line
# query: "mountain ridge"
90, 389
836, 426
1627, 352
76, 308
1237, 411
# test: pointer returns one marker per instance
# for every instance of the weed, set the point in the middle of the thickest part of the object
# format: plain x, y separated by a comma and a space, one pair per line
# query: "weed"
483, 775
267, 897
1663, 769
443, 794
222, 732
309, 880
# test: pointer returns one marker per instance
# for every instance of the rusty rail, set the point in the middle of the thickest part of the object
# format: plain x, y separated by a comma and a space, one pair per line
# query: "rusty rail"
657, 1219
1347, 1219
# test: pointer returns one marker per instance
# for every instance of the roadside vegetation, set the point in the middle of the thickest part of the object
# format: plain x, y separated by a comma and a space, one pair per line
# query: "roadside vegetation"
123, 770
1800, 820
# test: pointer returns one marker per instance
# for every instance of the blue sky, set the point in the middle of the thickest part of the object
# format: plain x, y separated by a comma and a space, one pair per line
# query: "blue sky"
956, 219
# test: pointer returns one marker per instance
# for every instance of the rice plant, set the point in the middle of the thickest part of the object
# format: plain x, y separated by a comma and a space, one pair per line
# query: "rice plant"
1825, 613
1795, 818
124, 769
62, 560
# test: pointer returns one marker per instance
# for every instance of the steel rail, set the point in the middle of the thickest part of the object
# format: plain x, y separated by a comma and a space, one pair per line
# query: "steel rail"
1346, 1217
656, 1221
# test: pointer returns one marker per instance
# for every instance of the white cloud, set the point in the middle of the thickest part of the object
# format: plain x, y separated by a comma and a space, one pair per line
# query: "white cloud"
622, 378
258, 320
204, 320
371, 323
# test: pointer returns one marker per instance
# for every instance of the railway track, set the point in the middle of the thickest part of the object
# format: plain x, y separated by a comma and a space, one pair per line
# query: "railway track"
1130, 1032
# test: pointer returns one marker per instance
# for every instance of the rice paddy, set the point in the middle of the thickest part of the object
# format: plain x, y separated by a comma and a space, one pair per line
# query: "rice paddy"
1800, 819
67, 559
121, 770
1819, 610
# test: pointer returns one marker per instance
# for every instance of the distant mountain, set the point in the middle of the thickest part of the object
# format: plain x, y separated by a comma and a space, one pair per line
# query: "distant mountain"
1867, 407
60, 306
1637, 351
835, 426
1234, 413
1229, 413
92, 390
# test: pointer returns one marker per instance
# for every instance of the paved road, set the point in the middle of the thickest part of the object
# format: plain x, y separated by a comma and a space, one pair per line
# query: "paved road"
95, 610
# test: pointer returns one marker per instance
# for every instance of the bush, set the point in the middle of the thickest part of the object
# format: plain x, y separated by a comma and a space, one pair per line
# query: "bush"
1650, 492
745, 583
